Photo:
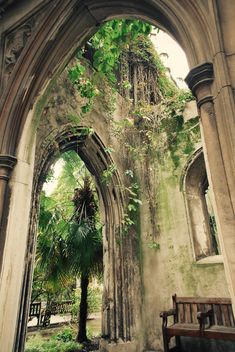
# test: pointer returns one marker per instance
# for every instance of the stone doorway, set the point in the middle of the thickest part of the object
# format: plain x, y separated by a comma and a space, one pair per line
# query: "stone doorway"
120, 286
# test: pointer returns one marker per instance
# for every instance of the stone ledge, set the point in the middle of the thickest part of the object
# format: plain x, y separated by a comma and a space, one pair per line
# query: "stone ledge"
214, 259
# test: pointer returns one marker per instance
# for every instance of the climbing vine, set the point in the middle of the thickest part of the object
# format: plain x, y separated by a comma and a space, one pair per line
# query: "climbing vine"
122, 54
133, 200
78, 76
111, 40
104, 50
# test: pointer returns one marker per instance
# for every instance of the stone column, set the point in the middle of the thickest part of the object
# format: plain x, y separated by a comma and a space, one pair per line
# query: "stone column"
7, 163
200, 81
15, 221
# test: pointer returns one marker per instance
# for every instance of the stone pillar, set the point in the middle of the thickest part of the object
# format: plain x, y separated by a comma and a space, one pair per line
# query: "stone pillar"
25, 298
200, 81
15, 221
7, 163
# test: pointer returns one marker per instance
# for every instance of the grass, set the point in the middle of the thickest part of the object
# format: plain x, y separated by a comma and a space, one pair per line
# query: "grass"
60, 339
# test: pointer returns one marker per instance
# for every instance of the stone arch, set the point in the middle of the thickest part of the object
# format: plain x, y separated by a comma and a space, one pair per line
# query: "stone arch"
118, 323
62, 28
38, 39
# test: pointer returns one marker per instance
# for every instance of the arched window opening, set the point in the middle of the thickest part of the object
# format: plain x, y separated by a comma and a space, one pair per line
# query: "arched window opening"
89, 148
200, 209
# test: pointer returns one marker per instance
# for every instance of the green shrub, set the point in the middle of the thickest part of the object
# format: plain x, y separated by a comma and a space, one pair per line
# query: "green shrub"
60, 342
34, 344
65, 335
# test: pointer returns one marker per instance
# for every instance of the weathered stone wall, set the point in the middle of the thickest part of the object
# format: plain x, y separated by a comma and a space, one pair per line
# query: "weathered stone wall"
168, 260
58, 119
172, 268
161, 232
38, 38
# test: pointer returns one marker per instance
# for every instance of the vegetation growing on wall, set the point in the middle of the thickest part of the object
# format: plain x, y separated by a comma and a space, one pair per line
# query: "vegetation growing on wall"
111, 40
122, 55
112, 51
105, 50
152, 134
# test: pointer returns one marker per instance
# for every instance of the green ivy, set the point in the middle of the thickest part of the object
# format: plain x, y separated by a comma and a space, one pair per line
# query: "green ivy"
154, 245
107, 45
108, 173
110, 41
133, 202
79, 77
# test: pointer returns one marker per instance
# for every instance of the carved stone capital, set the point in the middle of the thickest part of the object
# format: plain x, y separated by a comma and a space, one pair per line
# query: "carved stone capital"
200, 75
7, 163
207, 99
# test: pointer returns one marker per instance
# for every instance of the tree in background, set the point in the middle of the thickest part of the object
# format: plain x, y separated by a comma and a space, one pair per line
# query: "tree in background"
85, 245
70, 237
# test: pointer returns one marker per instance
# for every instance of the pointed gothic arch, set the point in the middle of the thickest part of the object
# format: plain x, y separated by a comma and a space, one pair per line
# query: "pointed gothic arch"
118, 323
37, 41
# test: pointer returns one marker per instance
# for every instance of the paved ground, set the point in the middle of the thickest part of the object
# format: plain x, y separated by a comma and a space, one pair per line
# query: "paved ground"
94, 320
55, 319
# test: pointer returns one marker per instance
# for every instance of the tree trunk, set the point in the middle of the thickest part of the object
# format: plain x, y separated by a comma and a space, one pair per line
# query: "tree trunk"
81, 337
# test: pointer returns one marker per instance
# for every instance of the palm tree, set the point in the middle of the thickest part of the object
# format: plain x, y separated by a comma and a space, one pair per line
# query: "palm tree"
52, 278
85, 245
71, 245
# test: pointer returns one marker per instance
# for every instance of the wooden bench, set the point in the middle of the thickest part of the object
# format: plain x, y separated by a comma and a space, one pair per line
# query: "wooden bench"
55, 308
35, 311
210, 318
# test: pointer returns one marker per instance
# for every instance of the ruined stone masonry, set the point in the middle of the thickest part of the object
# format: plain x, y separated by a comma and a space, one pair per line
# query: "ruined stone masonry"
165, 251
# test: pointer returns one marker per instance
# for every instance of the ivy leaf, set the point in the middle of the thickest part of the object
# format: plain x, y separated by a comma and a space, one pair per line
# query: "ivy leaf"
132, 207
86, 108
138, 201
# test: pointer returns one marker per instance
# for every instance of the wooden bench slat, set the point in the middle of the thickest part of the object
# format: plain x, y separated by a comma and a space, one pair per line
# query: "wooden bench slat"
194, 313
184, 330
188, 315
181, 313
225, 314
231, 317
219, 333
218, 314
201, 307
209, 300
215, 322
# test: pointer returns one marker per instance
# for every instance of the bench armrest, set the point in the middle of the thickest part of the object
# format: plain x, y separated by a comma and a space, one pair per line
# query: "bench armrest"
165, 314
202, 317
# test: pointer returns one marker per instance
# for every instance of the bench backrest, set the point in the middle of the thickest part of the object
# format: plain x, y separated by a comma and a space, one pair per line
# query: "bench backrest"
60, 307
35, 309
188, 307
